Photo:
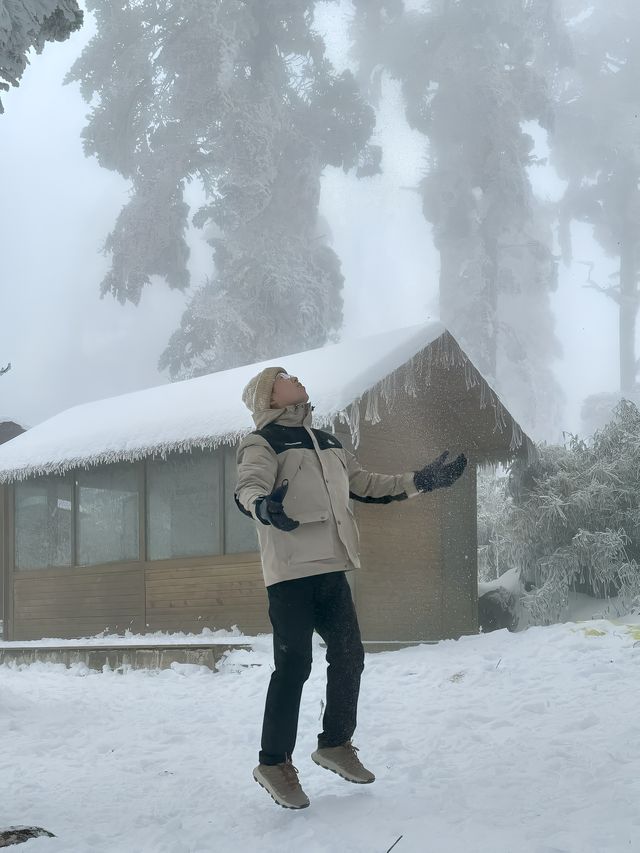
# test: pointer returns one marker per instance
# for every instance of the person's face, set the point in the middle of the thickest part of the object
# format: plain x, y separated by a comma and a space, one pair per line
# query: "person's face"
287, 391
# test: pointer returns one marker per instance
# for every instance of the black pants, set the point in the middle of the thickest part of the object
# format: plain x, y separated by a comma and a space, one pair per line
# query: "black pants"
296, 608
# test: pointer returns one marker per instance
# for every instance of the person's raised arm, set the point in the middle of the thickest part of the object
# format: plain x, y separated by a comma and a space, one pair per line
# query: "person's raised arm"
370, 487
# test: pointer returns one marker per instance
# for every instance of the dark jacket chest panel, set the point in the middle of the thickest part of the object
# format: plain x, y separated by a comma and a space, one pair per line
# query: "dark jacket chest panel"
283, 438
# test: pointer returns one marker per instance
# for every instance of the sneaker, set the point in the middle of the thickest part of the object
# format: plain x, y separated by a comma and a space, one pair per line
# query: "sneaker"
343, 761
281, 781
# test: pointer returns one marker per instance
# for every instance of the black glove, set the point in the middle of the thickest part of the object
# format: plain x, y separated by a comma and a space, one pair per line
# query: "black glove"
436, 474
269, 509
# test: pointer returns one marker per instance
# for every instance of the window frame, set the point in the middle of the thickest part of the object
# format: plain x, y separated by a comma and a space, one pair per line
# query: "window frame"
67, 478
75, 527
221, 516
142, 479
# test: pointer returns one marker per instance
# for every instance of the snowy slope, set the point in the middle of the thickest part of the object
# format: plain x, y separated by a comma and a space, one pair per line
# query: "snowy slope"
207, 410
503, 743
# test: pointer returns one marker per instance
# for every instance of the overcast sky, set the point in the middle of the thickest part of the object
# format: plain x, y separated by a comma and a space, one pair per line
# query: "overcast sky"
68, 346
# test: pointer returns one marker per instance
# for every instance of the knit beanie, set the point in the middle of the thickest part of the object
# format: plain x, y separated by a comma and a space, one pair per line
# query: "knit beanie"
256, 394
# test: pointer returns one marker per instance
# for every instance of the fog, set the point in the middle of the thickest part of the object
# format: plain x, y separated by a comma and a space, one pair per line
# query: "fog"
68, 346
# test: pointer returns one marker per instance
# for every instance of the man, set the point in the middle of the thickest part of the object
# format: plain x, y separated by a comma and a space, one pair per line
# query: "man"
296, 482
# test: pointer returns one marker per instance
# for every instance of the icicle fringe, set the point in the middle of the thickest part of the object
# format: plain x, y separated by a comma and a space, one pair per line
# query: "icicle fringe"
112, 457
443, 352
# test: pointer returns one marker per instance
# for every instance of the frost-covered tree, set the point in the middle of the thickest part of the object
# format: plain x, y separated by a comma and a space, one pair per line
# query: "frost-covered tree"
6, 369
571, 520
596, 148
493, 506
27, 24
240, 97
472, 72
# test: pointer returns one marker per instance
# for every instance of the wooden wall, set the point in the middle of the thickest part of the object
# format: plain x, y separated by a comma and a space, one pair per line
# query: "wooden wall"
209, 592
4, 580
78, 602
458, 518
399, 585
170, 595
418, 579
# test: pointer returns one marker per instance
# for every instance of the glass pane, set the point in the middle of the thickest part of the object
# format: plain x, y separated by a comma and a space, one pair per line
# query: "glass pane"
43, 523
108, 515
184, 505
240, 530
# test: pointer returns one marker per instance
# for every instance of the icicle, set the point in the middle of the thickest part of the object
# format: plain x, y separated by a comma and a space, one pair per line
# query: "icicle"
428, 373
371, 412
354, 422
469, 378
503, 416
516, 436
483, 394
410, 385
427, 365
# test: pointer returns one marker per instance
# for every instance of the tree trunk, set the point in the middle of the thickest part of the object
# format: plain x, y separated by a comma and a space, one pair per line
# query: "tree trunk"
628, 310
490, 303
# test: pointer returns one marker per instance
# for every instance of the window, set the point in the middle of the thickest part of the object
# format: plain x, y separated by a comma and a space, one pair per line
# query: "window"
191, 512
184, 505
43, 523
107, 515
240, 531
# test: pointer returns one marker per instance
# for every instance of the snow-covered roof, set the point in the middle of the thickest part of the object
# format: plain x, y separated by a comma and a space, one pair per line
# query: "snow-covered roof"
208, 411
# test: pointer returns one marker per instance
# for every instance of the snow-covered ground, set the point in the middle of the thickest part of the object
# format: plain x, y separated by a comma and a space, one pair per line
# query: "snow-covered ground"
157, 638
498, 743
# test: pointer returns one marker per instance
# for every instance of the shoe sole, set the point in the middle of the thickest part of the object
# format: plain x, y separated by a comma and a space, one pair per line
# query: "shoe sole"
277, 802
341, 775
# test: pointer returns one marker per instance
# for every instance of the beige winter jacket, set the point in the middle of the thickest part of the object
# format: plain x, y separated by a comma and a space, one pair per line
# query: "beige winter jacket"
322, 476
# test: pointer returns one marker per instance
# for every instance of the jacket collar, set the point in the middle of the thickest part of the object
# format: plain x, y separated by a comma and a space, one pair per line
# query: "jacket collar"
298, 414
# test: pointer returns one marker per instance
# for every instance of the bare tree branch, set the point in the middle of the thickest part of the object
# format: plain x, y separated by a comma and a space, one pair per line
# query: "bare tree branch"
612, 290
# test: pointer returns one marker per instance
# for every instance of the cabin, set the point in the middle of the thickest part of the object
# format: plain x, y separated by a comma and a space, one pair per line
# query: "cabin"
118, 515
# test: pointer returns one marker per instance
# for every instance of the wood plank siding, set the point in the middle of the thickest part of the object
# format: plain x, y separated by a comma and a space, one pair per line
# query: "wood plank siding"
398, 591
217, 592
171, 595
419, 557
5, 592
78, 602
